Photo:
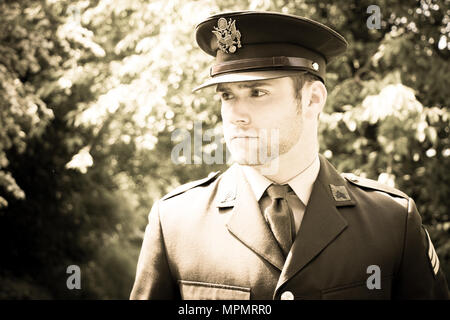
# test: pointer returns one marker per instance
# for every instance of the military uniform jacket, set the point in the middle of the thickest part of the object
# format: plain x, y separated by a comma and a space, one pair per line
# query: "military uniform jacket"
358, 240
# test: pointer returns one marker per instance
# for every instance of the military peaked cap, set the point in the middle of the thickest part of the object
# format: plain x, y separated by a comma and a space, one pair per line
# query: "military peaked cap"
250, 45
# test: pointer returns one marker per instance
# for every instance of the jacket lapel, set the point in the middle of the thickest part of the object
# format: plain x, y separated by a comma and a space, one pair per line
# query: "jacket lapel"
246, 222
322, 222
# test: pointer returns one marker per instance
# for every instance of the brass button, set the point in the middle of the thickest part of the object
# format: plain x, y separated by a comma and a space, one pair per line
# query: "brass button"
287, 295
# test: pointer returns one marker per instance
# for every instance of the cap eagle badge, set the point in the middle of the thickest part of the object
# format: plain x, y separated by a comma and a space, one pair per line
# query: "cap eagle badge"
228, 37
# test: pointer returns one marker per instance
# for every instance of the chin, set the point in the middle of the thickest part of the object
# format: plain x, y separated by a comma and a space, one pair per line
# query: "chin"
253, 155
253, 159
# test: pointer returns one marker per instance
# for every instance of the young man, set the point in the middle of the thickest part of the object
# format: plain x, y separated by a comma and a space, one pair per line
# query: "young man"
281, 223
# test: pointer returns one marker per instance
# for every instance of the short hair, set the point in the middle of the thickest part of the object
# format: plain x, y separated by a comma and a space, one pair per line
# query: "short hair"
300, 80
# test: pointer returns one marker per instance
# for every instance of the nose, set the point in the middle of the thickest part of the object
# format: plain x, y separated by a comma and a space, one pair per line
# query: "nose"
237, 113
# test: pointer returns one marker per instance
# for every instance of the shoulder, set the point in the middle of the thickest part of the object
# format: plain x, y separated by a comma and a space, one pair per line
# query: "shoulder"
373, 185
190, 185
379, 202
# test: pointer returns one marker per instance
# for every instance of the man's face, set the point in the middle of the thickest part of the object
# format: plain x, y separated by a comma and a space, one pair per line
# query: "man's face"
261, 119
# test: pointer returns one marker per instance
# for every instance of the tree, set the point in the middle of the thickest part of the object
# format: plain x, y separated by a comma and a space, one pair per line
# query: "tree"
55, 217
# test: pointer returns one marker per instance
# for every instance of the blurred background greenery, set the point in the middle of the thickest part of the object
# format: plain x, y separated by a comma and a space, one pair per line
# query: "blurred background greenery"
91, 92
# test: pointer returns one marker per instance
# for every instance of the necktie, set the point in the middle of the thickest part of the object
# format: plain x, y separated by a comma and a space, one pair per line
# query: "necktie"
279, 216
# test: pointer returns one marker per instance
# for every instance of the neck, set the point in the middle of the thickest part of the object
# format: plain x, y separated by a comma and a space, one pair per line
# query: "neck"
290, 164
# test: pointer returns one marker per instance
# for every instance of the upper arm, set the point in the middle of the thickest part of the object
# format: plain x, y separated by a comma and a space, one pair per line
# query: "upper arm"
418, 277
153, 277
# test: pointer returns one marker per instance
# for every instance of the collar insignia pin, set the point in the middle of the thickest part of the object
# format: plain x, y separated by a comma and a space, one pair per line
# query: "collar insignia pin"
228, 37
340, 193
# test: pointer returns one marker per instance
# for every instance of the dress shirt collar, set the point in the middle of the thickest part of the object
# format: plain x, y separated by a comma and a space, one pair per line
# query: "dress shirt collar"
302, 183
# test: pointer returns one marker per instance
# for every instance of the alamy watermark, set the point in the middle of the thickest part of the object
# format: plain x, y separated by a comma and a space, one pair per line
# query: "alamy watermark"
374, 280
182, 152
259, 148
374, 20
74, 280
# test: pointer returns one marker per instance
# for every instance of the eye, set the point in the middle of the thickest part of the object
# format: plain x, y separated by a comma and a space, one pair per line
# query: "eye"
226, 96
258, 93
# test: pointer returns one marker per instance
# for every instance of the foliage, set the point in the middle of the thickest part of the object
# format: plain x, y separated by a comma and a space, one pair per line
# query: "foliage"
91, 93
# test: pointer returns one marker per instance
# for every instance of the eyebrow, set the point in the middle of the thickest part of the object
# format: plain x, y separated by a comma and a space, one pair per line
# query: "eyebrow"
247, 85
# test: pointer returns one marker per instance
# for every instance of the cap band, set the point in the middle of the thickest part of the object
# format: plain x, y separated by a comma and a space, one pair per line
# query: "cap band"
262, 63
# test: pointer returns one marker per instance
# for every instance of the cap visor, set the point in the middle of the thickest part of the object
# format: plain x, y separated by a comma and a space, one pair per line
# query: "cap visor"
248, 76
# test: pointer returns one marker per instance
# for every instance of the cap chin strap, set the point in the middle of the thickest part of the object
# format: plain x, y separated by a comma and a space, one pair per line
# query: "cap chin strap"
290, 63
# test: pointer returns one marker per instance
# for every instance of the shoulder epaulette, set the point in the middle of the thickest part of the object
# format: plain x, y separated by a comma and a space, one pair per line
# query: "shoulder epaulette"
185, 187
372, 184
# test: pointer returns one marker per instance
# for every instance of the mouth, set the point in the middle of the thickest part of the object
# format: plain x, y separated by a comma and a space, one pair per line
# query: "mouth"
243, 137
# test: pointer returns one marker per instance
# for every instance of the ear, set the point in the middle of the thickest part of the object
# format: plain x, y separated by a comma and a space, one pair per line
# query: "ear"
316, 96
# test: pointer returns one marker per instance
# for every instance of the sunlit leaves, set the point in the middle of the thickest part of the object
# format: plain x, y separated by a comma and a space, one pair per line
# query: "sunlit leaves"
81, 161
25, 43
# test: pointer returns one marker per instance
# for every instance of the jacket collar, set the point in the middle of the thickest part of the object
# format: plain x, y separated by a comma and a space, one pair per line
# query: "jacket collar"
301, 184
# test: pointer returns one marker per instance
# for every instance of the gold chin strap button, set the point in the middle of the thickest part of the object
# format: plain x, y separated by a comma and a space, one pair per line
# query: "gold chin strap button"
315, 66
